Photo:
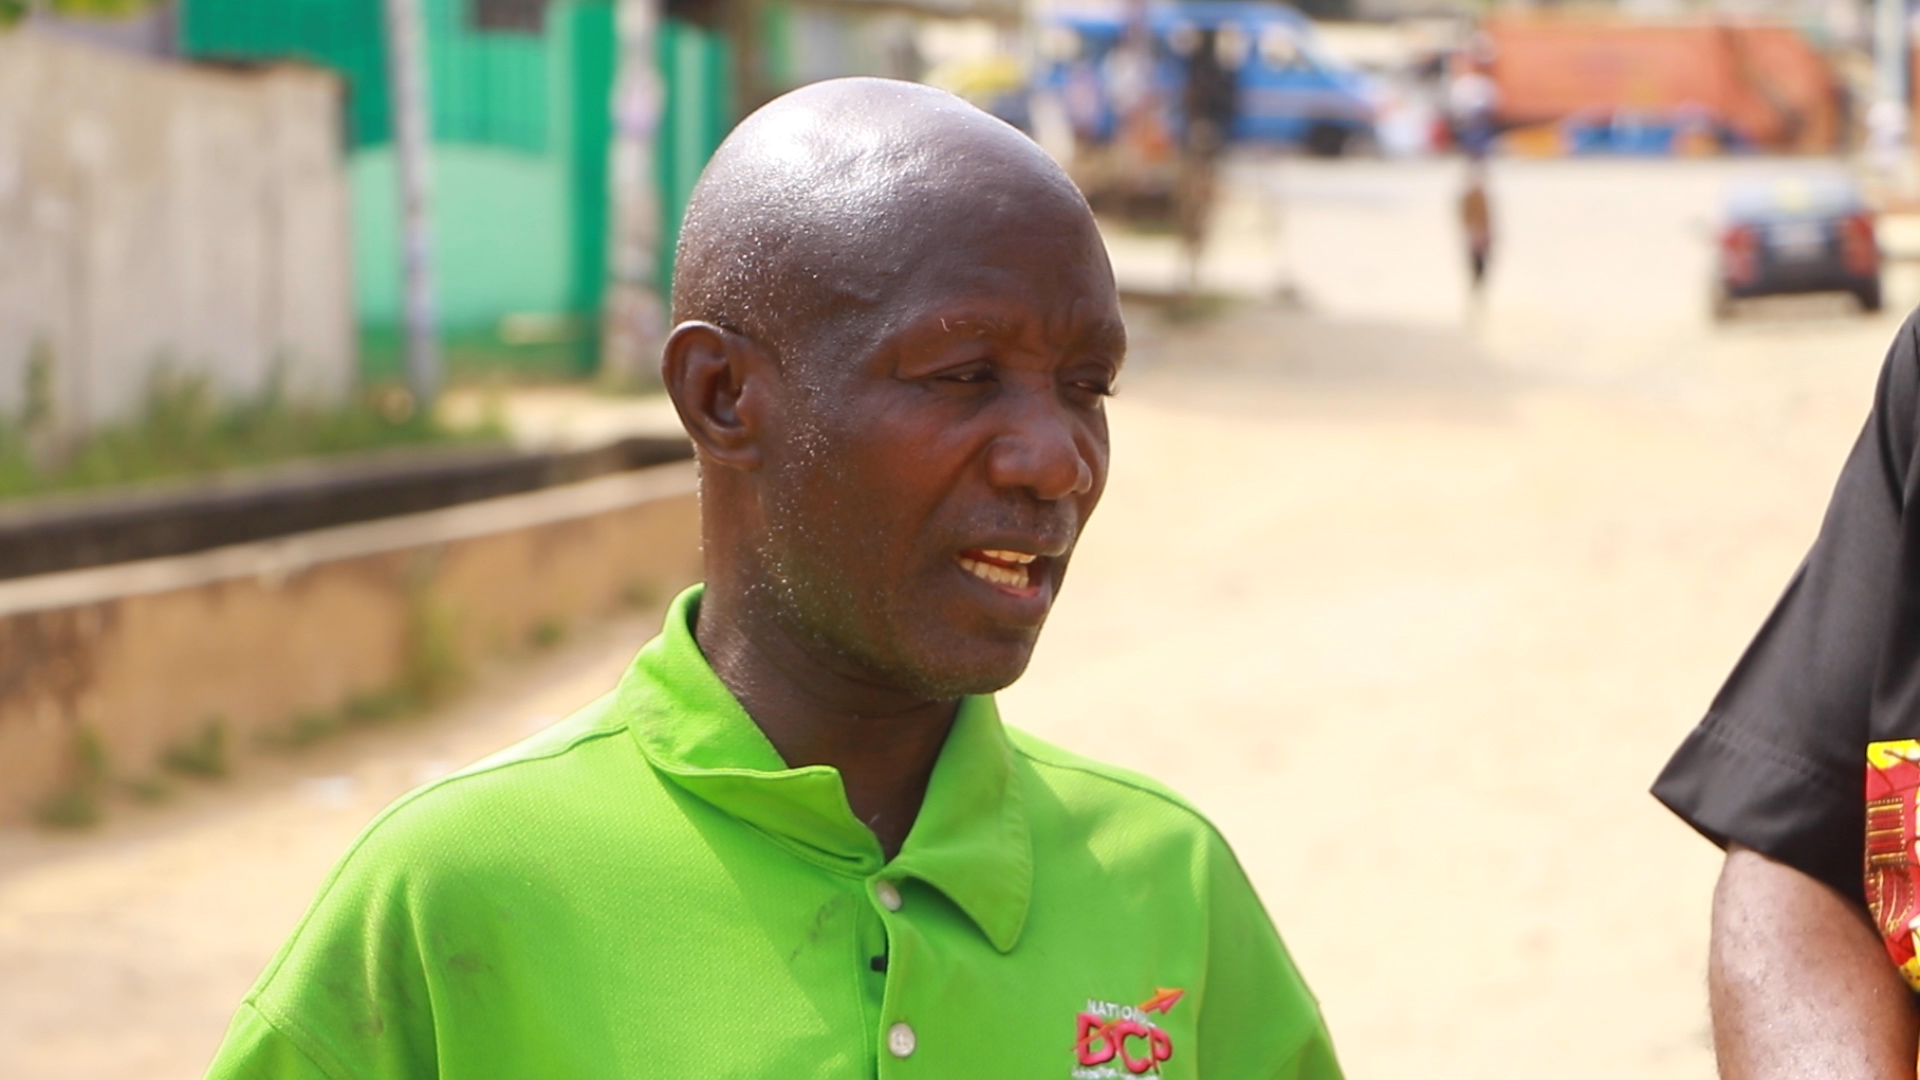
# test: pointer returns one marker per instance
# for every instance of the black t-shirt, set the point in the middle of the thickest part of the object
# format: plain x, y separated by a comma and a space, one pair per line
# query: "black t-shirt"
1780, 764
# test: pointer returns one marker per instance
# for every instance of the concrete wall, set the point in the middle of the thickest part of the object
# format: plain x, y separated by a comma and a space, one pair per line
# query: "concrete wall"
156, 214
141, 657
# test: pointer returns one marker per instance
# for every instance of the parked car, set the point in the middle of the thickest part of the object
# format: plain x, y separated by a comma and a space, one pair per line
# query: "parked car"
1291, 93
1796, 235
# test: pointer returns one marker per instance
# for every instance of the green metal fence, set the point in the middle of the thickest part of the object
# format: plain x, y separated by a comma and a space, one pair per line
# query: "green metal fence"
488, 86
697, 66
521, 123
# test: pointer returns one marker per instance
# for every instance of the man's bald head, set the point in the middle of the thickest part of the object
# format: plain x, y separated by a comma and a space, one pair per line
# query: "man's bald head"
820, 201
897, 328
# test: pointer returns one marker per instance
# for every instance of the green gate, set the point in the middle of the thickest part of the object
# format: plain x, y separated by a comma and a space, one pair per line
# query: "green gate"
521, 96
696, 64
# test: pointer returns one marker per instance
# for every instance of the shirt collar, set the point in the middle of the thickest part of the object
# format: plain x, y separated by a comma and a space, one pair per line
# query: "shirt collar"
971, 840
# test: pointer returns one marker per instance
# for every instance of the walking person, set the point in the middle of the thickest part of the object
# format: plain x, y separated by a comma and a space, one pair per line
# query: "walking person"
1473, 100
1476, 222
1209, 102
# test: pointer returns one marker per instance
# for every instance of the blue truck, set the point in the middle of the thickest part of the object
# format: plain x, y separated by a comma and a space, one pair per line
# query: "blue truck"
1291, 93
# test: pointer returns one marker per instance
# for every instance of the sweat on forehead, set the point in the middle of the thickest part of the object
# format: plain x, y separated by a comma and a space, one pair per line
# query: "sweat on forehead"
816, 198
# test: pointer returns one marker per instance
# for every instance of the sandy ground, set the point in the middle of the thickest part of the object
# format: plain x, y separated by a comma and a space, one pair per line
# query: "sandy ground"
1412, 598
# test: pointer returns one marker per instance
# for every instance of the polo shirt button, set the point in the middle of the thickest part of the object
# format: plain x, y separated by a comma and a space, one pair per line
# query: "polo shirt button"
901, 1040
890, 899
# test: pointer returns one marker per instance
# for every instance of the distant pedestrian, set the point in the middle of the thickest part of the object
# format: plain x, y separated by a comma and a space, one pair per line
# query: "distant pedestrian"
1209, 102
1476, 221
1472, 101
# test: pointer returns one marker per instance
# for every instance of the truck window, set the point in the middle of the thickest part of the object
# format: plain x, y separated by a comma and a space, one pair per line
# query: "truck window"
1280, 51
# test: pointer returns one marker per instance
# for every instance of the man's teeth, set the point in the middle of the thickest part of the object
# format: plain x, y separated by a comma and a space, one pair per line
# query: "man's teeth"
1014, 576
1020, 557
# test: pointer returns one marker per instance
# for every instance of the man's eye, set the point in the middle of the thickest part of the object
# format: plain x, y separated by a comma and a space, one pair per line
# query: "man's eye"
1097, 387
971, 376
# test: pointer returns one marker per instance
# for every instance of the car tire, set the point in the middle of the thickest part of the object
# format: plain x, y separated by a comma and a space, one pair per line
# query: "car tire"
1361, 143
1326, 140
1869, 296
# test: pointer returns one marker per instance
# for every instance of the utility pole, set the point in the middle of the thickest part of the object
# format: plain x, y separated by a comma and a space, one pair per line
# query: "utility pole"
413, 150
635, 315
1890, 57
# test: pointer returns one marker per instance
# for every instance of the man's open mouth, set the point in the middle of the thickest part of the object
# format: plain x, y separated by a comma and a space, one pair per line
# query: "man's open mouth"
1012, 570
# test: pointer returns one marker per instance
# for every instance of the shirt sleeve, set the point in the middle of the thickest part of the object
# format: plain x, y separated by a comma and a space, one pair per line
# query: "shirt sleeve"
1778, 763
348, 996
1258, 1019
256, 1050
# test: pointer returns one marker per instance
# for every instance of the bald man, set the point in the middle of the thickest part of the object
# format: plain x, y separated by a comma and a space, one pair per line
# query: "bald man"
796, 840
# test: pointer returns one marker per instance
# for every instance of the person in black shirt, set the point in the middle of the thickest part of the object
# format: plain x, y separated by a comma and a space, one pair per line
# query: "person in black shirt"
1806, 770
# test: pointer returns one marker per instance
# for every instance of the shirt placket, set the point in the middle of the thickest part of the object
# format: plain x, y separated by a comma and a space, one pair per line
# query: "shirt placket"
899, 1048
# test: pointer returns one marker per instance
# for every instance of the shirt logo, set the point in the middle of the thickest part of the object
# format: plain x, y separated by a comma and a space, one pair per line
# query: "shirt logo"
1122, 1040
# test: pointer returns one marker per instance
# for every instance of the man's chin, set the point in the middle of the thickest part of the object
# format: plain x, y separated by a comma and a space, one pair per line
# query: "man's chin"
982, 669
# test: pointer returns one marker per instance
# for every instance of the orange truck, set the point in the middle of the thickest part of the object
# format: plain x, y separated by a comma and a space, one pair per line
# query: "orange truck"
1760, 85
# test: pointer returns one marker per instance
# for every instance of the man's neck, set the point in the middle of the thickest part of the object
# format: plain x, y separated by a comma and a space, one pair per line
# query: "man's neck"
882, 742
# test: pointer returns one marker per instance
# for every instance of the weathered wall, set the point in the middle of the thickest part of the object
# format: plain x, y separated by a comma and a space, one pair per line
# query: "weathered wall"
143, 656
1768, 82
157, 214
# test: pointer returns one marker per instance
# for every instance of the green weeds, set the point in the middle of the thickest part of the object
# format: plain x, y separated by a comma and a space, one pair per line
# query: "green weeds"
202, 755
185, 429
77, 805
69, 808
547, 633
12, 11
361, 710
430, 673
433, 669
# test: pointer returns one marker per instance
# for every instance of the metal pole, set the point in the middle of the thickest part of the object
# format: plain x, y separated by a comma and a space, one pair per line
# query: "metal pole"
1890, 52
634, 323
413, 149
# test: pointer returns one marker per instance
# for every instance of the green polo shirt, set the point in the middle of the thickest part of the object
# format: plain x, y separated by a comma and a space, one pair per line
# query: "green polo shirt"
647, 890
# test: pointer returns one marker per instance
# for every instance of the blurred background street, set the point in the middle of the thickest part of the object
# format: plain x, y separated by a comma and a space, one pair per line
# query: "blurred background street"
314, 488
1412, 602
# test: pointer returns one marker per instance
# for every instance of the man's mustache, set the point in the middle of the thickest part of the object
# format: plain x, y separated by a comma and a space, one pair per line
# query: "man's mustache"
1051, 529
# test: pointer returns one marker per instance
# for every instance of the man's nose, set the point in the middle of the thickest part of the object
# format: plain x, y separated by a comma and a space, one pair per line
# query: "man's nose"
1039, 452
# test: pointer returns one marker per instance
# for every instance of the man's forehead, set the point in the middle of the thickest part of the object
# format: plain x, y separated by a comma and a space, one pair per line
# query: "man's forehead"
829, 208
1085, 325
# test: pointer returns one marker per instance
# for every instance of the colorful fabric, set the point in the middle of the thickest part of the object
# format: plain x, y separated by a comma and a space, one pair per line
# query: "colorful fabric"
1893, 781
647, 890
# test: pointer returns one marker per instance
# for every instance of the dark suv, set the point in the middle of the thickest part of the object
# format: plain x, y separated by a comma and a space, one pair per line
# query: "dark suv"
1796, 235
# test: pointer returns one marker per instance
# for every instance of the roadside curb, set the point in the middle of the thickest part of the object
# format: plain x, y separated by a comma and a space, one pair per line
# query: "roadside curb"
112, 673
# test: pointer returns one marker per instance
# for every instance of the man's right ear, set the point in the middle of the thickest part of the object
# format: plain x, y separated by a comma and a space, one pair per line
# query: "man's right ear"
718, 381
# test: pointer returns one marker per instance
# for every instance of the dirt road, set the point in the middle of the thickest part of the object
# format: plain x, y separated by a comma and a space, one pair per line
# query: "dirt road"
1413, 602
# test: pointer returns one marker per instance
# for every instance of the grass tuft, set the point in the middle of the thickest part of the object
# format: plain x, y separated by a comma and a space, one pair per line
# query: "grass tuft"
69, 808
547, 633
185, 429
77, 805
148, 789
202, 755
